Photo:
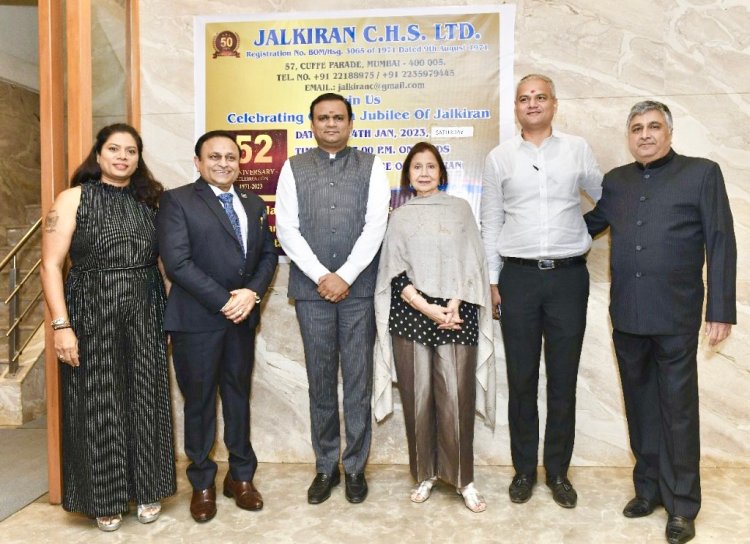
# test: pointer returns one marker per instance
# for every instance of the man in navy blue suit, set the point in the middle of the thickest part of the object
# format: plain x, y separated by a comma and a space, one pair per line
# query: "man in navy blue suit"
219, 254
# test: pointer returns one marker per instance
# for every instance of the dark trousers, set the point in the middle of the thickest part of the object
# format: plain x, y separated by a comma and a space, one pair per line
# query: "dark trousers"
536, 304
206, 363
660, 386
333, 334
438, 389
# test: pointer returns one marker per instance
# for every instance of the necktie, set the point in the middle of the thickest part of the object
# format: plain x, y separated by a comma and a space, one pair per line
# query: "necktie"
226, 202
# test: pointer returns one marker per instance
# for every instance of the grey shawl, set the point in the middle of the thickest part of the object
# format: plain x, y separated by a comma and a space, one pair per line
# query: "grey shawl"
435, 240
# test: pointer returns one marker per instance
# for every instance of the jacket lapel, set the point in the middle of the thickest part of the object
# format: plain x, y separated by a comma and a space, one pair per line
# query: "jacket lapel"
207, 195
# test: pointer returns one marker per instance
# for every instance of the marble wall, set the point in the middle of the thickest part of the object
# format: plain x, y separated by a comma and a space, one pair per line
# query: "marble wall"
604, 55
19, 48
108, 60
19, 154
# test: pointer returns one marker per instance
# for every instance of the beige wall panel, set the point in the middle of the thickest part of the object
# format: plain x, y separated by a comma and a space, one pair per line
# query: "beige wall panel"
604, 56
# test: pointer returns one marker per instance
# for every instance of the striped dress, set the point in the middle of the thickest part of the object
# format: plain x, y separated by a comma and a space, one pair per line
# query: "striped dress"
117, 427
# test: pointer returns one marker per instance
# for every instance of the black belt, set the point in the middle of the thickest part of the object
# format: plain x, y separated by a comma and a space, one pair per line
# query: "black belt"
547, 264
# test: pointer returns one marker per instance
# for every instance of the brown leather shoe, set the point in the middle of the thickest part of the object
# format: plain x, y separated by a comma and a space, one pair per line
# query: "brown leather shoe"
203, 504
244, 493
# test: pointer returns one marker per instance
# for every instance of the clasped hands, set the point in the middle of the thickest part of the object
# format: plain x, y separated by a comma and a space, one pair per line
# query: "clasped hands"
240, 304
332, 288
446, 317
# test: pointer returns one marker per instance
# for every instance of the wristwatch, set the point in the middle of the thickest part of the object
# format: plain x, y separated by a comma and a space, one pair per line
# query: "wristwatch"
257, 298
60, 323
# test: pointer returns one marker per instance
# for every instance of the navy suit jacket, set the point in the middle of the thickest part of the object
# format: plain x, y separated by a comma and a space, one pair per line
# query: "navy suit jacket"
204, 260
666, 220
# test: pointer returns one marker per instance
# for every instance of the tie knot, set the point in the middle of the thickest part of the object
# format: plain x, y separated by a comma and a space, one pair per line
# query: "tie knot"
226, 198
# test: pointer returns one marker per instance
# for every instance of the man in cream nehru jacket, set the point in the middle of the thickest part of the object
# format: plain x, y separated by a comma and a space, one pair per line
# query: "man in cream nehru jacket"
668, 214
331, 213
536, 242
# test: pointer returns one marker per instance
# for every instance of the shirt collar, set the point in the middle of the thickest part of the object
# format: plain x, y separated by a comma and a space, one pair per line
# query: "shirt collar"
658, 163
218, 191
519, 141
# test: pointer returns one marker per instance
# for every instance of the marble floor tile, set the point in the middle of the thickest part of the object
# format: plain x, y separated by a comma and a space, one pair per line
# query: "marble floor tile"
388, 517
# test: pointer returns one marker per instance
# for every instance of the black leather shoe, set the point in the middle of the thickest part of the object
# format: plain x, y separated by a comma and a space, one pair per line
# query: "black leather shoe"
521, 488
679, 529
639, 507
356, 487
320, 489
562, 491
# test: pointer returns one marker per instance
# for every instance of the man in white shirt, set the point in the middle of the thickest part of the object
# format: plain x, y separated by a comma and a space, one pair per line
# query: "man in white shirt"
536, 241
331, 214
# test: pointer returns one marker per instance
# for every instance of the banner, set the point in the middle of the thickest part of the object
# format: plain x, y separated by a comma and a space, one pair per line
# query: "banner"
443, 75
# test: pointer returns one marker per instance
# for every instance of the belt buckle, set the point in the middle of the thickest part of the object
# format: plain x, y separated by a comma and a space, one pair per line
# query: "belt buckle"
546, 264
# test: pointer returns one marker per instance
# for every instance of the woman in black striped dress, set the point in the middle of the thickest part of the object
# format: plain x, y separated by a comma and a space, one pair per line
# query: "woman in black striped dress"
107, 321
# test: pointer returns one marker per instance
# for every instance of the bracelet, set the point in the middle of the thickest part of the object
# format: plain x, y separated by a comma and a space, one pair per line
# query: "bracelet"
59, 322
61, 327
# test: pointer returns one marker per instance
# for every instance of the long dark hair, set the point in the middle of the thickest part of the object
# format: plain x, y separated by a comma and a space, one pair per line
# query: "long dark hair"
145, 188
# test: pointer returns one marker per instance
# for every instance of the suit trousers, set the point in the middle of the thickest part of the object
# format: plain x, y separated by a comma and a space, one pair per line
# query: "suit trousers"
206, 363
438, 390
548, 304
659, 377
333, 334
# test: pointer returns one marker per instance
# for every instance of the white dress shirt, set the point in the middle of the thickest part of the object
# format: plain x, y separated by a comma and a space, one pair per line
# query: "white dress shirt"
531, 203
239, 209
366, 246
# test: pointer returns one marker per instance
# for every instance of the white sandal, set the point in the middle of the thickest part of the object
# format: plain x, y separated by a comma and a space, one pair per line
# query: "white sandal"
149, 512
109, 523
422, 492
472, 498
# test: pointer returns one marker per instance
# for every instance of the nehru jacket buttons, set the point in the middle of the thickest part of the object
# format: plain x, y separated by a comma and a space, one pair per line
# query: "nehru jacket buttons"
638, 274
642, 199
639, 222
638, 248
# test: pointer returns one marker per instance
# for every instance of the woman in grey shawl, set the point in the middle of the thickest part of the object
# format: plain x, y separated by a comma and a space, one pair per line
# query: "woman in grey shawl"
432, 308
